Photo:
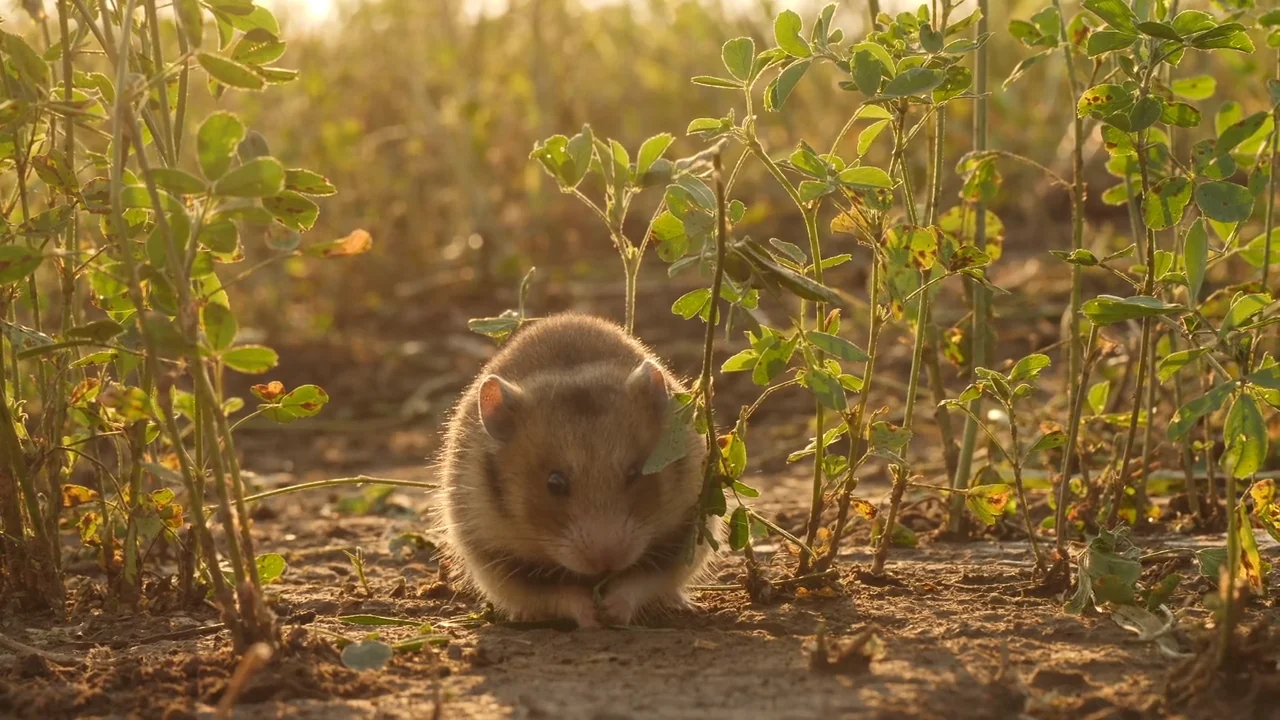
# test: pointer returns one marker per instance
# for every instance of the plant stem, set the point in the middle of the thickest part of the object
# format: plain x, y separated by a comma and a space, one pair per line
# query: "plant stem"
1016, 460
710, 481
857, 430
1069, 449
942, 418
917, 358
1077, 211
981, 299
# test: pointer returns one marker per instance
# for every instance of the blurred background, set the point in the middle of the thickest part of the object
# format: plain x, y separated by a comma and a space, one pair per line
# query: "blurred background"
423, 114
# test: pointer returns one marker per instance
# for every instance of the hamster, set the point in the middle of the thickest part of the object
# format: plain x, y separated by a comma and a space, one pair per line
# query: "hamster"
542, 472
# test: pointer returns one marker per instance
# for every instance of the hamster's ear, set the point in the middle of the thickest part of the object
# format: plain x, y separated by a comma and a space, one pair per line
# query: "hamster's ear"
648, 383
499, 403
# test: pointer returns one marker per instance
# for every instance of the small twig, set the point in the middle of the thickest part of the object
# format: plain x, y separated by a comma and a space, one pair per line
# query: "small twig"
358, 480
24, 649
255, 657
786, 582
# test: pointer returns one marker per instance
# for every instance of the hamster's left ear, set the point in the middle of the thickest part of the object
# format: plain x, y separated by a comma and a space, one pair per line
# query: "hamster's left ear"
500, 403
648, 383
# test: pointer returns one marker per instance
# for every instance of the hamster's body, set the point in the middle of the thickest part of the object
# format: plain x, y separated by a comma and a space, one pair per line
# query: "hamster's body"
541, 468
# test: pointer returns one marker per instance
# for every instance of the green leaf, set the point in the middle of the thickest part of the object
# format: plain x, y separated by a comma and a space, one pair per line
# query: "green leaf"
190, 20
836, 346
1189, 414
26, 61
1101, 101
691, 303
377, 621
786, 32
17, 262
988, 502
1115, 13
367, 655
1224, 201
827, 388
650, 151
1109, 309
216, 142
739, 56
1159, 30
715, 82
1105, 41
1245, 435
869, 135
219, 325
674, 442
260, 177
1164, 206
1180, 114
98, 331
1241, 131
1210, 561
292, 209
178, 181
866, 177
270, 567
739, 528
1024, 65
1098, 395
867, 73
229, 72
1109, 571
1174, 362
1243, 307
1145, 113
251, 359
301, 402
1255, 253
1049, 441
1200, 87
308, 183
780, 89
888, 440
1028, 368
914, 81
744, 360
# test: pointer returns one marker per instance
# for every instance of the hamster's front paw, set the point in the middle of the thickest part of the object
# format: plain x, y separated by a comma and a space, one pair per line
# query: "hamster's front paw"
582, 610
618, 608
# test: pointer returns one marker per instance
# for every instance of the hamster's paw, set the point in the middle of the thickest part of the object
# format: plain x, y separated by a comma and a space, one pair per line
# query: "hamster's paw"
581, 609
619, 608
678, 604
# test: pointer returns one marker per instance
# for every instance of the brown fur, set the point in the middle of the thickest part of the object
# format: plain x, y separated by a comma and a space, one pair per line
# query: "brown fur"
533, 554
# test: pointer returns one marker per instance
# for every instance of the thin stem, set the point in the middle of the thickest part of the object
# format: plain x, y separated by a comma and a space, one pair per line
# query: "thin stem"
981, 298
710, 483
1016, 460
1070, 450
1077, 212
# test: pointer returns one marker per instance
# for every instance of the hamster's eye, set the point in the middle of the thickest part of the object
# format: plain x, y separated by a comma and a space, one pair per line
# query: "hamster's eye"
558, 484
634, 473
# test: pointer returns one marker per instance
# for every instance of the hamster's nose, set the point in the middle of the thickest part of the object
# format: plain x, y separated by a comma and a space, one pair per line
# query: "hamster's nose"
609, 557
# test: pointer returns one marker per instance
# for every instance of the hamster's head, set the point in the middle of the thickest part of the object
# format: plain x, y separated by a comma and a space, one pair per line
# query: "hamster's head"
565, 466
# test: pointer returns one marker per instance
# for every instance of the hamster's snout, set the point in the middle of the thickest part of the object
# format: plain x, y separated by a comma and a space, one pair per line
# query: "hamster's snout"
598, 549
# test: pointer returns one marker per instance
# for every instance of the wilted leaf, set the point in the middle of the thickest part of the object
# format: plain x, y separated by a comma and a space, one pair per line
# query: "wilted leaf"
988, 502
357, 243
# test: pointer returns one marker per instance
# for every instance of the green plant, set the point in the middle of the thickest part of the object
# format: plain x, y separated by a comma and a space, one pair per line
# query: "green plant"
117, 319
1007, 390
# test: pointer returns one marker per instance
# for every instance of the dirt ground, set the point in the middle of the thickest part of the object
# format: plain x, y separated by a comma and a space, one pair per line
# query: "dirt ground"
959, 631
959, 637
